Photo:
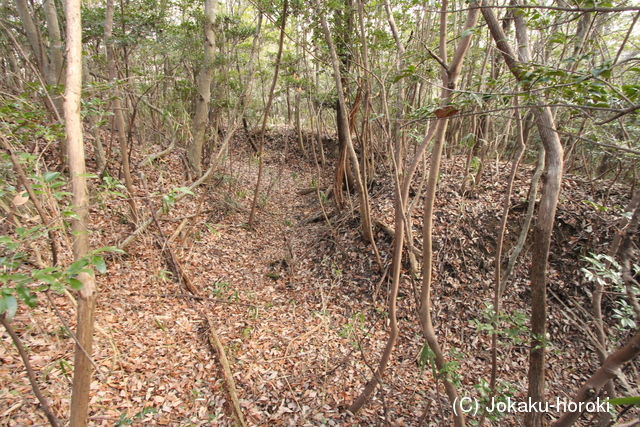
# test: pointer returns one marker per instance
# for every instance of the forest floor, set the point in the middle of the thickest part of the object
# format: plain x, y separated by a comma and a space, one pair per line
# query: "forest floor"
300, 305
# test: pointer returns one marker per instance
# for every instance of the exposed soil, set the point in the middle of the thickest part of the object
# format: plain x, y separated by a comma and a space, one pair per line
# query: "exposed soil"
300, 305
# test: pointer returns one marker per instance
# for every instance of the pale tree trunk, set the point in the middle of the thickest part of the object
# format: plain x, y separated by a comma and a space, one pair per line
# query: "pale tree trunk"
55, 75
88, 294
497, 298
344, 125
298, 102
343, 27
450, 76
194, 150
32, 34
98, 149
397, 134
303, 149
265, 117
368, 156
543, 228
50, 71
50, 66
118, 107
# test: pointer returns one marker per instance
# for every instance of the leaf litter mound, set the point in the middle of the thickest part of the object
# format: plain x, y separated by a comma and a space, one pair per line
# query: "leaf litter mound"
300, 306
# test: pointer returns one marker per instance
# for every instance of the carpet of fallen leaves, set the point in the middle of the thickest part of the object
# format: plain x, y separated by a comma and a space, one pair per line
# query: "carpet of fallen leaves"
300, 304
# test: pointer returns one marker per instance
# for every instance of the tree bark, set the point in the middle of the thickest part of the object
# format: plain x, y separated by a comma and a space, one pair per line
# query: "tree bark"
88, 294
450, 75
117, 107
256, 193
542, 231
55, 75
194, 150
344, 125
32, 34
98, 149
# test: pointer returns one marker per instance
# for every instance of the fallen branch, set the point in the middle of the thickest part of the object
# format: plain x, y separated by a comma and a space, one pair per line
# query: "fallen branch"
304, 191
198, 298
214, 342
212, 336
32, 376
391, 232
317, 217
214, 165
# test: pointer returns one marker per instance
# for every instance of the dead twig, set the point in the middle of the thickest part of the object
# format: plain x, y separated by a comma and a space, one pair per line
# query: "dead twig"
198, 298
53, 420
73, 336
212, 336
216, 345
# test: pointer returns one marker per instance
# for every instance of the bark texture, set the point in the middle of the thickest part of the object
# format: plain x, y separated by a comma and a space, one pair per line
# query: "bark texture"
194, 151
552, 179
88, 294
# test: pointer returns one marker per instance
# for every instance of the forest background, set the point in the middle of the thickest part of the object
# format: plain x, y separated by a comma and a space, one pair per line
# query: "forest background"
318, 213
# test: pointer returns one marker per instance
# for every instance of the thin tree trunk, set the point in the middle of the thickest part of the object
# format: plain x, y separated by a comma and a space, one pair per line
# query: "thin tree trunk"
194, 150
303, 150
450, 75
543, 227
344, 125
98, 149
533, 193
88, 294
402, 197
118, 107
32, 34
256, 193
497, 297
55, 75
397, 134
368, 156
50, 71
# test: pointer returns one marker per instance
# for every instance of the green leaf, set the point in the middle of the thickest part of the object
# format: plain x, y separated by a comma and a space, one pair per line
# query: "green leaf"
109, 249
46, 278
8, 305
77, 267
185, 190
26, 296
75, 284
70, 214
50, 176
467, 32
19, 278
631, 91
632, 400
604, 70
99, 264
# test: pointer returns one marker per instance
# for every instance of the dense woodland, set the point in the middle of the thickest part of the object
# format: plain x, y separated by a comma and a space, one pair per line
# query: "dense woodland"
332, 212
